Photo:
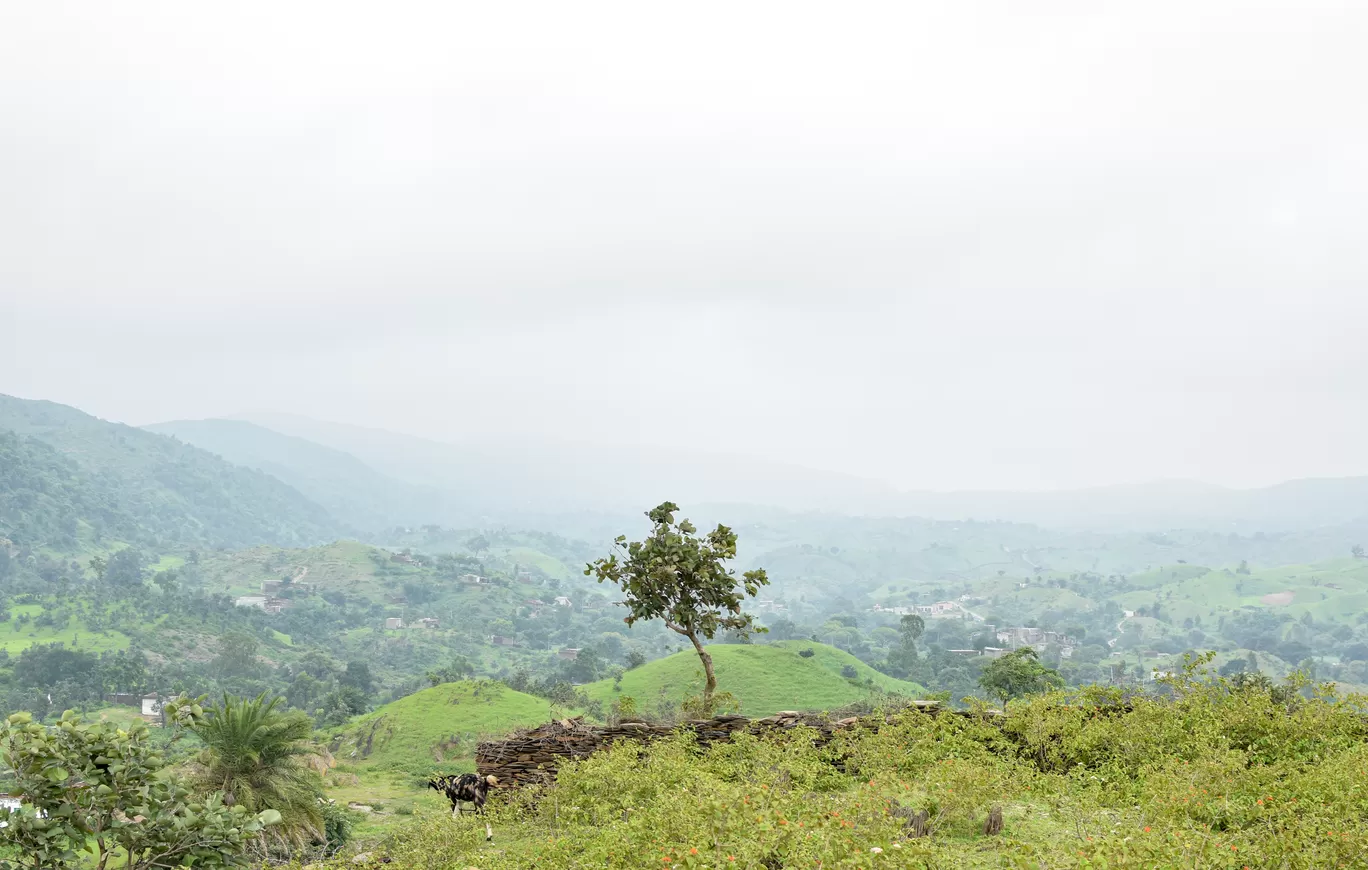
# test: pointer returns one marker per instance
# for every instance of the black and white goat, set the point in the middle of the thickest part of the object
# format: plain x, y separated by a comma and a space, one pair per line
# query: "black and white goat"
466, 789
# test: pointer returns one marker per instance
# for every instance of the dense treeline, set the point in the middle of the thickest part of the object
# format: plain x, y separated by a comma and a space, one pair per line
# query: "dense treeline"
46, 501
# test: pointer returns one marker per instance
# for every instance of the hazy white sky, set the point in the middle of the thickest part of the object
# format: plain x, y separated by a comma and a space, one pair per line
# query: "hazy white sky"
949, 245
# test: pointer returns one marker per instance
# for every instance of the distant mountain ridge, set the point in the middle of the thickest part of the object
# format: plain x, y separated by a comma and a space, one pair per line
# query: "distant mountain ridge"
348, 488
549, 477
75, 479
533, 475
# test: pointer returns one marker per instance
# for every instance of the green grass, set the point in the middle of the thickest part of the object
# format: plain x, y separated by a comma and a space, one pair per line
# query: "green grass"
766, 678
348, 566
167, 563
435, 727
15, 638
1331, 591
548, 565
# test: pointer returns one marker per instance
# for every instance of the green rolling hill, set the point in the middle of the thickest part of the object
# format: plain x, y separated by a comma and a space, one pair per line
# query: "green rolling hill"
766, 678
436, 728
74, 483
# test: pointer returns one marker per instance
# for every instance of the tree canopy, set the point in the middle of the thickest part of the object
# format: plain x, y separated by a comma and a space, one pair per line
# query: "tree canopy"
682, 578
1017, 674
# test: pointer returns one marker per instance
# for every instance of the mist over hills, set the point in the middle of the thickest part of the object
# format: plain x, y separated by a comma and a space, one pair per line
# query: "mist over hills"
346, 487
546, 475
518, 477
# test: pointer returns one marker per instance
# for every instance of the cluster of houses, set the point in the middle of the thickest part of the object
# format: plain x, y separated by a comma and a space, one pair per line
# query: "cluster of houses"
266, 601
769, 605
939, 610
394, 623
535, 605
1015, 638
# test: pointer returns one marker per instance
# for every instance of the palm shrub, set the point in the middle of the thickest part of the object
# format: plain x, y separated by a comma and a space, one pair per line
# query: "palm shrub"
261, 757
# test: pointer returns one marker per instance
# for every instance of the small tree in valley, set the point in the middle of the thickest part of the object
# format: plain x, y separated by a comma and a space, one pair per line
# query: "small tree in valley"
1018, 673
903, 658
683, 579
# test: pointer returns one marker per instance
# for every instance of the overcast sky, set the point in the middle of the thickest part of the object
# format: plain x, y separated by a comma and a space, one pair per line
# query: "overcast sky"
949, 245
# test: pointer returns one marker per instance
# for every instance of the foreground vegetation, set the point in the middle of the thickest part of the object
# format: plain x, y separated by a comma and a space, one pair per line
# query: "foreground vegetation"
1220, 773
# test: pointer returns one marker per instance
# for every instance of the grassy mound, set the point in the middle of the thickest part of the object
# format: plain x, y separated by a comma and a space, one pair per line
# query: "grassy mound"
437, 727
766, 678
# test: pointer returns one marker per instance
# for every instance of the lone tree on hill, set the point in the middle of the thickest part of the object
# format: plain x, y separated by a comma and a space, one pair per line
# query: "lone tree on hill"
683, 579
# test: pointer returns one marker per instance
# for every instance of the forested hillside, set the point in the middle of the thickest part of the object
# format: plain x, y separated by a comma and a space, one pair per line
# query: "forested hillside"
348, 488
44, 504
80, 483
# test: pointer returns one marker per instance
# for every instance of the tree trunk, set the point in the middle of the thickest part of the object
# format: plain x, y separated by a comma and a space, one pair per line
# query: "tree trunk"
710, 681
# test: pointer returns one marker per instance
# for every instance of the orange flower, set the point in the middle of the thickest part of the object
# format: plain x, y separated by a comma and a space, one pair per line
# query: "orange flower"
693, 850
1146, 829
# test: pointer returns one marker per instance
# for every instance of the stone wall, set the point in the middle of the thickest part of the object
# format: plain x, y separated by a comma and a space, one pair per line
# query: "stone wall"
532, 757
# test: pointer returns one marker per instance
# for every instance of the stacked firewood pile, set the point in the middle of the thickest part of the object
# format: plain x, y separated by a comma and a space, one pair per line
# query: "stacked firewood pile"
534, 756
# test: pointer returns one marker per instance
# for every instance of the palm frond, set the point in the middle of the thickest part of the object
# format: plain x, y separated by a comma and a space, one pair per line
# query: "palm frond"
261, 757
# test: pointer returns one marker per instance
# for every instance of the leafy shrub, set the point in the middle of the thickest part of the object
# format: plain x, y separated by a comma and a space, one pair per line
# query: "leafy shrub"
806, 653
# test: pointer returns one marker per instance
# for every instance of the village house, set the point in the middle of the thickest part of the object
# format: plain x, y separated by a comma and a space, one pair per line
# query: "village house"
257, 601
270, 587
1015, 638
500, 640
394, 622
472, 578
151, 709
901, 610
569, 653
562, 601
428, 622
275, 605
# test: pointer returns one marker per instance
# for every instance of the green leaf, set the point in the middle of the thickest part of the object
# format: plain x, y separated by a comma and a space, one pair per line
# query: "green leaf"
269, 817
